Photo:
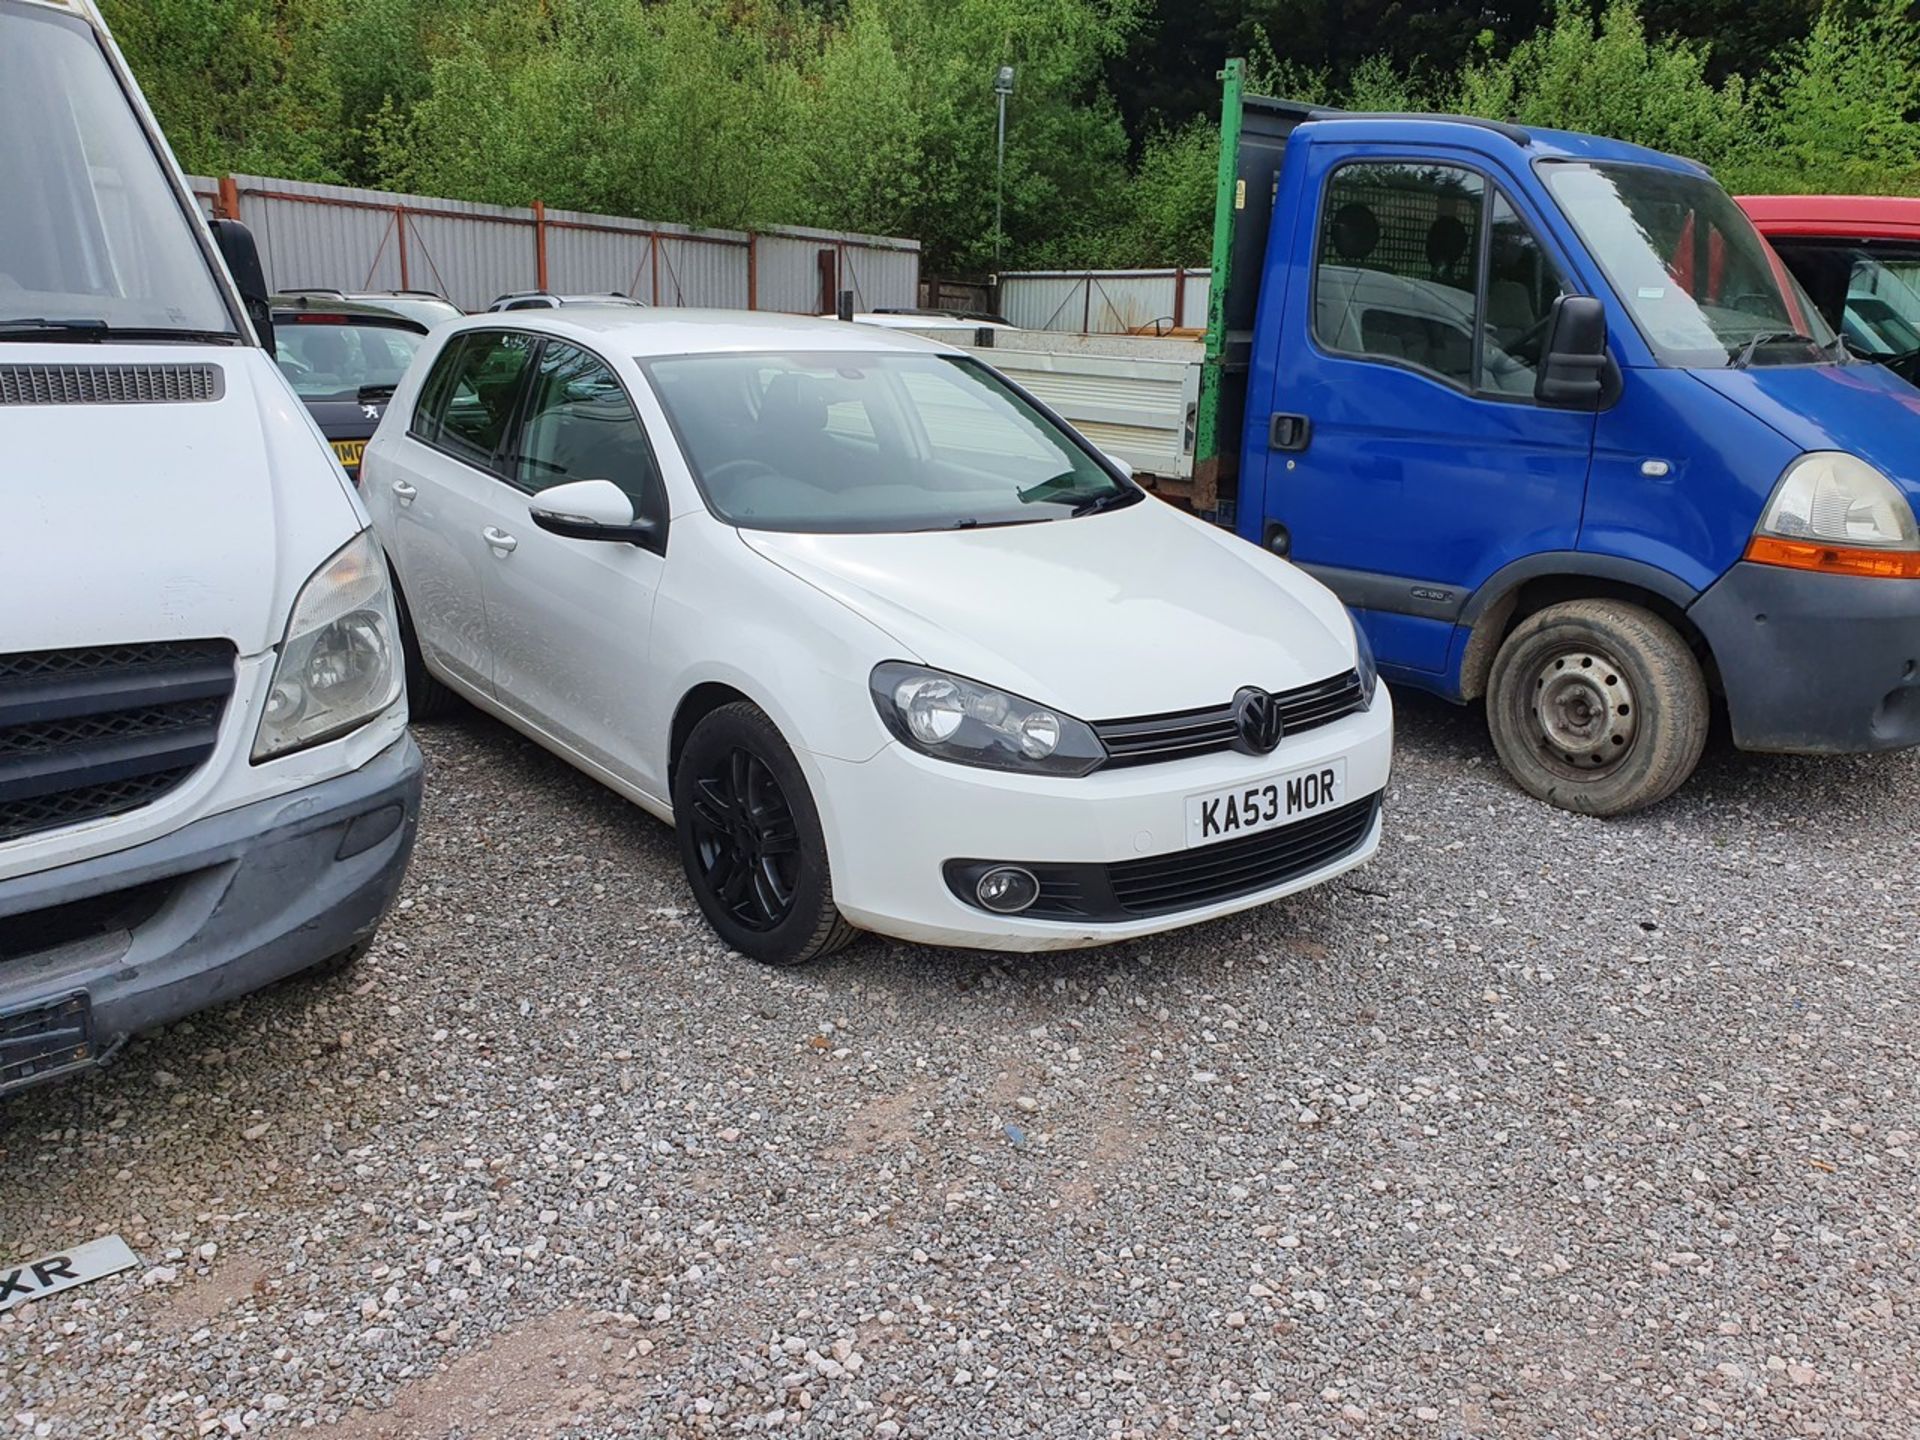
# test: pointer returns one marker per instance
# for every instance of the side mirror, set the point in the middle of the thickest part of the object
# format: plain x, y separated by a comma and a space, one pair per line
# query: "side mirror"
590, 510
1573, 365
1124, 467
249, 277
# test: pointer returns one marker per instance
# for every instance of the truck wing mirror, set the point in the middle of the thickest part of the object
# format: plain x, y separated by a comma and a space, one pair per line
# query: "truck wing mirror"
243, 263
1573, 366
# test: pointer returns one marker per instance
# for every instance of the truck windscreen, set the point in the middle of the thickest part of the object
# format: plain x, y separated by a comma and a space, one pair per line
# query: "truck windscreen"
93, 237
1703, 287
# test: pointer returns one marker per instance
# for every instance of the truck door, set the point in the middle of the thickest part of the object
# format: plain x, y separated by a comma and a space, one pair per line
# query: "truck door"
1405, 458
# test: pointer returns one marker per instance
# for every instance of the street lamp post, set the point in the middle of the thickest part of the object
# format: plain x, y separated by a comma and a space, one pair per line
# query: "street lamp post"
1002, 88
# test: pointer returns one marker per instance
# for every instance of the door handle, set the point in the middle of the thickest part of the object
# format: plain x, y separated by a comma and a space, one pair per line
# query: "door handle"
499, 539
1289, 432
405, 491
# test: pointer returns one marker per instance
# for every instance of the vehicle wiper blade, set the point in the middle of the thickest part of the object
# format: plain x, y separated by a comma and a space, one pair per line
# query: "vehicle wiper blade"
1096, 504
376, 392
1772, 337
1039, 491
92, 331
33, 326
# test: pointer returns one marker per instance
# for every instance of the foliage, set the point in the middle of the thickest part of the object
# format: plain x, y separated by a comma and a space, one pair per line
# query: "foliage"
878, 115
1837, 114
1610, 79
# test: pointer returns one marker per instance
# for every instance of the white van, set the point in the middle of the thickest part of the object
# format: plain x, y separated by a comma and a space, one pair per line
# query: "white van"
206, 780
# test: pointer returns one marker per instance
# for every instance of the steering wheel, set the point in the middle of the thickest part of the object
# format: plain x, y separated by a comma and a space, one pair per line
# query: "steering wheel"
1527, 344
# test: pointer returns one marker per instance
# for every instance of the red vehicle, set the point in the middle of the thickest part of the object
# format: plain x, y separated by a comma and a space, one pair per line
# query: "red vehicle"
1858, 258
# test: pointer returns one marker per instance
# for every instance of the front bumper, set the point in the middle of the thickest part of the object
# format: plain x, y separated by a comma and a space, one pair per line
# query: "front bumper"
894, 822
1815, 664
130, 940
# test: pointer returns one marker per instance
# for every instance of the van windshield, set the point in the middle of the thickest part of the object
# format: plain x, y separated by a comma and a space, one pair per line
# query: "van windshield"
94, 241
873, 441
1702, 285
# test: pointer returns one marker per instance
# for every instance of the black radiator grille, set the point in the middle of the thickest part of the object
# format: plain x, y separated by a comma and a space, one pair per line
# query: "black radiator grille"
99, 730
1150, 739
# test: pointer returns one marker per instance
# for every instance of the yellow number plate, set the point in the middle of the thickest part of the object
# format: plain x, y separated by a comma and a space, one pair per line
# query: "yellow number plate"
350, 451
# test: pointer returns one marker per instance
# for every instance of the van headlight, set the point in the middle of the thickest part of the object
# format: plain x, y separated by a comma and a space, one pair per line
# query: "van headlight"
1834, 512
1363, 661
953, 718
340, 663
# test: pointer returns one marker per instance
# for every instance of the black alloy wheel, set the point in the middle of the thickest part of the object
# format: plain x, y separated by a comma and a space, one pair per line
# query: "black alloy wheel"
748, 845
751, 841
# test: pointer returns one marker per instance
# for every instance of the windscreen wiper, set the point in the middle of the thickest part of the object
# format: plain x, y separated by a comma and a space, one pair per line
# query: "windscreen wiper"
1112, 499
94, 331
376, 392
36, 327
1772, 337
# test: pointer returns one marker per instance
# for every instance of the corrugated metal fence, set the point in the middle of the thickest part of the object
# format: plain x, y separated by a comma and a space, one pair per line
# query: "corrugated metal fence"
342, 238
1106, 302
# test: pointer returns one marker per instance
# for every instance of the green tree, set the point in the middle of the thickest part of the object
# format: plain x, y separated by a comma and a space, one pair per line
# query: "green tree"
239, 85
1613, 79
1838, 113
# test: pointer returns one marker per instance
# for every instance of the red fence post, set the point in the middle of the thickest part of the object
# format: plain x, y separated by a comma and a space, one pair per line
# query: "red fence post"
753, 272
540, 244
226, 205
400, 229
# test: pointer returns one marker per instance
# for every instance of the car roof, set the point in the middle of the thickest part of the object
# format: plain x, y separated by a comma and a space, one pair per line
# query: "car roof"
1866, 217
316, 302
648, 332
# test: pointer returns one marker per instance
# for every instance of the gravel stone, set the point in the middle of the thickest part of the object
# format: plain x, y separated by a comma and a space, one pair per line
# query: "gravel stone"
1539, 1125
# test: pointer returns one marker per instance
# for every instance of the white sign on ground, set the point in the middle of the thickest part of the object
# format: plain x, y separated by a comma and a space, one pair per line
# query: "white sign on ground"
92, 1261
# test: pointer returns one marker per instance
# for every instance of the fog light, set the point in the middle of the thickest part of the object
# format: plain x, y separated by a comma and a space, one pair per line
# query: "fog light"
1007, 889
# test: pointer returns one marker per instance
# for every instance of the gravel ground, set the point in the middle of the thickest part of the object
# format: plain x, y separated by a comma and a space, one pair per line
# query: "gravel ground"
1537, 1126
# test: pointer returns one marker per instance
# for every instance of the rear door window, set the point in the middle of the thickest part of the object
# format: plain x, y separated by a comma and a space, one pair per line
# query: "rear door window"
469, 399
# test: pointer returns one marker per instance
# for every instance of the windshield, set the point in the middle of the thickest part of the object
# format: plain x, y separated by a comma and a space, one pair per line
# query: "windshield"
1869, 289
1703, 287
872, 442
90, 230
328, 358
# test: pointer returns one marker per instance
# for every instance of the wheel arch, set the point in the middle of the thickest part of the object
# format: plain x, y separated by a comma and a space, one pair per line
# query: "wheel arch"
1520, 589
698, 703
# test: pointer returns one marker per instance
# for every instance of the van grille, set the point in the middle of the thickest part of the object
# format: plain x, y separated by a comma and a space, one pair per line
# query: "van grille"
110, 384
101, 730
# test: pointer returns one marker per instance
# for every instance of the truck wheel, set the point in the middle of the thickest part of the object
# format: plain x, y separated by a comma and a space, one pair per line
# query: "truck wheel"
427, 698
1597, 706
751, 841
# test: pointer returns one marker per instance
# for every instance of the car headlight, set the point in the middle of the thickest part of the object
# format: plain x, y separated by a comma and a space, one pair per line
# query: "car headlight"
340, 663
1834, 512
953, 718
1363, 660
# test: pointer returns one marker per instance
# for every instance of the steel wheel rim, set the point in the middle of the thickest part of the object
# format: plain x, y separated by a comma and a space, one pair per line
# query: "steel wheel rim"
1584, 711
746, 841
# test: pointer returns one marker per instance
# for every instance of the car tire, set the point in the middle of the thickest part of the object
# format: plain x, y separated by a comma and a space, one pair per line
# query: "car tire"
427, 698
1597, 706
751, 841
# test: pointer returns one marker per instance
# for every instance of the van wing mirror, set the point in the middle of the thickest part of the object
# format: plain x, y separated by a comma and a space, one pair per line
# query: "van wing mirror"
249, 276
1573, 365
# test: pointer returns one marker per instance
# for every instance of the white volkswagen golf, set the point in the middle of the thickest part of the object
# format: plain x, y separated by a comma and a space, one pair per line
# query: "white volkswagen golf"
891, 646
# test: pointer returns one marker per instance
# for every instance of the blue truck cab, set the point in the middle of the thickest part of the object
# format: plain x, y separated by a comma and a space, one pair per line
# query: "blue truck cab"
1553, 419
